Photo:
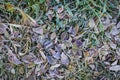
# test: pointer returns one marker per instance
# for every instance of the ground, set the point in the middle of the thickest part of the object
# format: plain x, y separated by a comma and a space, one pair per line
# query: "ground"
59, 39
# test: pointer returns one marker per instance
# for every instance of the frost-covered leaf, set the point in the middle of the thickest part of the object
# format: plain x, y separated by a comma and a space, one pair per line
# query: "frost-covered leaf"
48, 45
26, 18
76, 29
92, 66
38, 30
42, 54
79, 43
115, 68
59, 10
114, 31
64, 36
60, 77
13, 71
38, 61
89, 60
10, 7
53, 35
12, 57
29, 58
56, 55
54, 66
3, 28
31, 75
112, 45
93, 25
51, 60
118, 52
118, 25
64, 59
114, 63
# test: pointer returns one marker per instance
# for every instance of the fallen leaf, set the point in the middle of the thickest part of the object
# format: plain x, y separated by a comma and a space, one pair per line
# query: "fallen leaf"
114, 31
26, 18
53, 35
31, 75
64, 36
93, 25
54, 66
86, 54
13, 71
79, 43
112, 45
118, 25
76, 29
57, 1
115, 68
12, 57
59, 10
118, 52
38, 30
72, 31
3, 28
51, 60
48, 45
56, 55
38, 61
10, 7
59, 76
114, 63
42, 54
92, 66
89, 60
29, 58
64, 59
21, 70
